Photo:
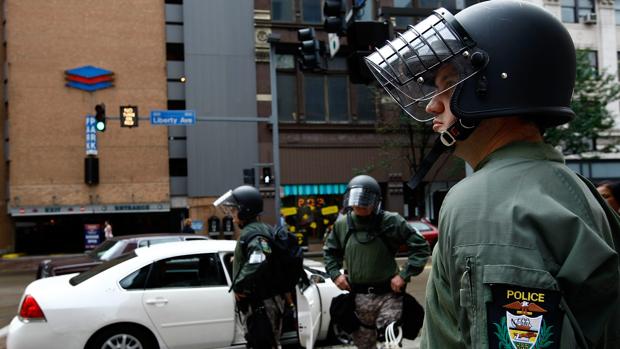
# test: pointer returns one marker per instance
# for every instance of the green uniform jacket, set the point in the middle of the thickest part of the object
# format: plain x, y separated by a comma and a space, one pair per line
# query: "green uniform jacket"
523, 219
247, 267
374, 262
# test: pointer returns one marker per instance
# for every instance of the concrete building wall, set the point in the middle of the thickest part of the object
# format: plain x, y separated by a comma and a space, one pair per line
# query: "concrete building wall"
221, 81
46, 123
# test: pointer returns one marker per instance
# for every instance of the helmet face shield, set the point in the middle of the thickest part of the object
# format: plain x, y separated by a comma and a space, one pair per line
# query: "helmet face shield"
407, 66
361, 197
227, 203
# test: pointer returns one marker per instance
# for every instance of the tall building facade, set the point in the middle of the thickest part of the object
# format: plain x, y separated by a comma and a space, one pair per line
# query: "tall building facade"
212, 57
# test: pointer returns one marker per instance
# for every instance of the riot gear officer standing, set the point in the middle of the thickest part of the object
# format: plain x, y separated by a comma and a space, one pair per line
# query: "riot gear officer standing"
261, 311
527, 249
366, 239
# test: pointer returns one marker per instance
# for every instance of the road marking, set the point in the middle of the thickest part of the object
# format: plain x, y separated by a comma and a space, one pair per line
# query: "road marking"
4, 331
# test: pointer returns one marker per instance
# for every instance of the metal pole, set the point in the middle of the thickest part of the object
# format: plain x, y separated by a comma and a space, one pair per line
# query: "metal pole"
275, 140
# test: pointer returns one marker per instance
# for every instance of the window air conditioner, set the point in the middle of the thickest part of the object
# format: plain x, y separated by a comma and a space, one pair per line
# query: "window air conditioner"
589, 18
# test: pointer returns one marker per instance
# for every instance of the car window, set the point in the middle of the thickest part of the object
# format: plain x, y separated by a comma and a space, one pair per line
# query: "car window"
137, 279
113, 251
420, 226
130, 247
102, 248
156, 241
78, 279
187, 271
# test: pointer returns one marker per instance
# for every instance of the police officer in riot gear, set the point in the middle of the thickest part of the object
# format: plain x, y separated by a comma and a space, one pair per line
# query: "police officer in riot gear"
526, 255
366, 239
245, 204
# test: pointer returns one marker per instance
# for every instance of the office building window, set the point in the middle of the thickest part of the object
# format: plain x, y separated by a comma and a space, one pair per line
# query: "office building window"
175, 52
178, 167
366, 106
617, 11
452, 5
282, 10
593, 59
337, 98
314, 98
573, 10
368, 12
312, 11
287, 96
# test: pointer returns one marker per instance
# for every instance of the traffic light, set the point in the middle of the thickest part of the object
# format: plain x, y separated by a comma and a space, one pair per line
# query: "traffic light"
363, 37
248, 176
129, 116
267, 177
100, 117
309, 48
334, 11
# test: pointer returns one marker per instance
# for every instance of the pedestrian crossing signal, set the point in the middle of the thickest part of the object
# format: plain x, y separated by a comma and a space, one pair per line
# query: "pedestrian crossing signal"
129, 116
100, 117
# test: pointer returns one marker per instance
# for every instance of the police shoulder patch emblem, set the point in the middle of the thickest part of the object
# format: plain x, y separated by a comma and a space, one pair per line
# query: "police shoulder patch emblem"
523, 318
264, 245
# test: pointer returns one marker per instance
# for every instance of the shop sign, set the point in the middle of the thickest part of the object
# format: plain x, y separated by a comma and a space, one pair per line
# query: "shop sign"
67, 210
89, 78
92, 236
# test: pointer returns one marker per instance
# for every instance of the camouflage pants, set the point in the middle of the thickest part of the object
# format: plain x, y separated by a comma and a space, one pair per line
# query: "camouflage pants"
274, 308
375, 310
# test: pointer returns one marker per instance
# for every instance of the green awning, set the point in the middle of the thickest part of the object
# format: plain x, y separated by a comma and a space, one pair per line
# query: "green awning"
313, 189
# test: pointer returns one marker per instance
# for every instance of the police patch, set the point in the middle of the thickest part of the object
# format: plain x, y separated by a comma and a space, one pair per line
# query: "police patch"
523, 318
264, 245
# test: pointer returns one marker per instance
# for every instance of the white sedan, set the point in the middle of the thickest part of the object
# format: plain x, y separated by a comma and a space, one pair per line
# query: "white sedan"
173, 295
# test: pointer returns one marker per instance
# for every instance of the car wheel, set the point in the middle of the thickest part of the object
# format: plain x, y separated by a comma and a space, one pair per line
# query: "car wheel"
123, 337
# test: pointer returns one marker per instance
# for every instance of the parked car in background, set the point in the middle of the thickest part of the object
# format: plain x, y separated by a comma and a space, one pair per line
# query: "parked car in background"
428, 231
107, 250
166, 296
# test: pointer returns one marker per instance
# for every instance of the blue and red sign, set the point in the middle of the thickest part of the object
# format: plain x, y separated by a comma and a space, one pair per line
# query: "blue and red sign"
89, 78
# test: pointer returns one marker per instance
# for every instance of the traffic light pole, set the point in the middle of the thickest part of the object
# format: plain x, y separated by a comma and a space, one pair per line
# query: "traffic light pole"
275, 133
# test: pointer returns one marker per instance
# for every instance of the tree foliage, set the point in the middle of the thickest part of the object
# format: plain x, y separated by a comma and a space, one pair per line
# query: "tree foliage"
593, 91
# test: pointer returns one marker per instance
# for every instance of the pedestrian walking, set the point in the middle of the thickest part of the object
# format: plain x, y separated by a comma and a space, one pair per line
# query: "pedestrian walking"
260, 307
187, 227
526, 253
366, 239
107, 230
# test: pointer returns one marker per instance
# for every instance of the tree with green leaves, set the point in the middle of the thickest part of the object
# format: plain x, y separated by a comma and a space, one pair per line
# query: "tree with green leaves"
593, 91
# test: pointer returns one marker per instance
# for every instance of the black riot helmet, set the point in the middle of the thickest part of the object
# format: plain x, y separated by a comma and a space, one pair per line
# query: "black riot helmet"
246, 199
363, 191
512, 58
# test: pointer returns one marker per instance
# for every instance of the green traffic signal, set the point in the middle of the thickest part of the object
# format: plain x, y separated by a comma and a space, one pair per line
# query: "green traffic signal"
100, 117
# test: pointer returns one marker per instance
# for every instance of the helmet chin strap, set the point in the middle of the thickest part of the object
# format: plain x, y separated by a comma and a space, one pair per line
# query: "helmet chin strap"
458, 131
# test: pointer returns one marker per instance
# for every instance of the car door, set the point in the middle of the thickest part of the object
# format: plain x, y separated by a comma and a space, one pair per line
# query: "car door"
187, 299
308, 314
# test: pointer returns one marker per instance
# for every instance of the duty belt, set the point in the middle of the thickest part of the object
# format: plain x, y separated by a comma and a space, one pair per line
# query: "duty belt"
376, 288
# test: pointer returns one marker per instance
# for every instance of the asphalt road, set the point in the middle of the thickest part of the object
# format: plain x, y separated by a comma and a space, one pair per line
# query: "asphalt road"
13, 282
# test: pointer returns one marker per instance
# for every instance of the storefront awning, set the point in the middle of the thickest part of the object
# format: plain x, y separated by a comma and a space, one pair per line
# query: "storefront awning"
313, 189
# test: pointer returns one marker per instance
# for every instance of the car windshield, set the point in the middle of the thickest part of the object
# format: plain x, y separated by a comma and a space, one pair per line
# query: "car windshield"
420, 226
107, 250
78, 279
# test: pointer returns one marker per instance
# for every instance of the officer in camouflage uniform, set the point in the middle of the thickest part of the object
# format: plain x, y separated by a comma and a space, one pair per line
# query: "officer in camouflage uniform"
367, 239
527, 251
245, 204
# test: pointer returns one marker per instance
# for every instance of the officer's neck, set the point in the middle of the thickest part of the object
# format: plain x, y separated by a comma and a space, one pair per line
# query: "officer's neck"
493, 134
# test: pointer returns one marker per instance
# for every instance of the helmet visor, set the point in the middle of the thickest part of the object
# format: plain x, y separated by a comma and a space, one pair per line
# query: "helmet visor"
406, 67
361, 197
227, 199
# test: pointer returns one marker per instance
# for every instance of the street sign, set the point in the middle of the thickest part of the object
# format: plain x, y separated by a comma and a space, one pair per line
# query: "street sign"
334, 44
173, 117
91, 136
